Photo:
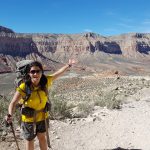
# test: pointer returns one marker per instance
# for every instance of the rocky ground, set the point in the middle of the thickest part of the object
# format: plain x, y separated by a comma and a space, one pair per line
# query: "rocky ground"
111, 111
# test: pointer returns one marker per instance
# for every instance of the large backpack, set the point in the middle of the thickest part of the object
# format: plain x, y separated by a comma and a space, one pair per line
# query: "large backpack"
21, 72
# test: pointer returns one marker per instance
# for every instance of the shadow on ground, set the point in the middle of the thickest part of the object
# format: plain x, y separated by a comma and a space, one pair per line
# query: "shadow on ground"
119, 148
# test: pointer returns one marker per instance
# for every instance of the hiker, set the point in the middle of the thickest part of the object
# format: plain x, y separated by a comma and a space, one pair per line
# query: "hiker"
34, 125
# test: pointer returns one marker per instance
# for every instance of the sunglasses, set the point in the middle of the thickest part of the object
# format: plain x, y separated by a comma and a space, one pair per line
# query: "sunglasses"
35, 71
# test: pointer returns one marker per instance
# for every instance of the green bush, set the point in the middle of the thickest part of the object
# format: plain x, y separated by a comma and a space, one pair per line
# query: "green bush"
4, 102
60, 109
108, 100
84, 109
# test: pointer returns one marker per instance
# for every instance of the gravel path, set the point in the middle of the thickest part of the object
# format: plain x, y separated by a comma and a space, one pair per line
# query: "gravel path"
128, 128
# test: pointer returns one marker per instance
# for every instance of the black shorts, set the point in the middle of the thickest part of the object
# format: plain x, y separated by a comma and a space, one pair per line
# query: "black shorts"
29, 127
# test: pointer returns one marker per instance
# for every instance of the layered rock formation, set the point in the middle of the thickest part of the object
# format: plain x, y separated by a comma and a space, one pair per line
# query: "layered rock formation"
52, 49
5, 30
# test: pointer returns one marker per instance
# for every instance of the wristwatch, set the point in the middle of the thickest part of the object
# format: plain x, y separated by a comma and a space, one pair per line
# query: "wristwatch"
69, 65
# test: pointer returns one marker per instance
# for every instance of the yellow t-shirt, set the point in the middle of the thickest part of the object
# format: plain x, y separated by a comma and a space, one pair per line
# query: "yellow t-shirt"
37, 100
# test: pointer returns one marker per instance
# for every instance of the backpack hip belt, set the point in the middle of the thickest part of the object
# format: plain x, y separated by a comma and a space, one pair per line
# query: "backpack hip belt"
30, 112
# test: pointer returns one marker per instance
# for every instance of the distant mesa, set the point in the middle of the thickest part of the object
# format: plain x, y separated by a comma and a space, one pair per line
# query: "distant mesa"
5, 30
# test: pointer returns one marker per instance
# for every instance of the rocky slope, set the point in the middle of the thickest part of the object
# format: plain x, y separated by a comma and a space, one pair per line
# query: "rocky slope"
87, 48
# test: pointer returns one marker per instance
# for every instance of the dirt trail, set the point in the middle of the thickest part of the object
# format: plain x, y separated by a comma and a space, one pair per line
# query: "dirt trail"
128, 128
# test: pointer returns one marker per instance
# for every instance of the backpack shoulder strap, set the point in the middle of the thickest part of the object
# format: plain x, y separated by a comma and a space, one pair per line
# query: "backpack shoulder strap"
28, 92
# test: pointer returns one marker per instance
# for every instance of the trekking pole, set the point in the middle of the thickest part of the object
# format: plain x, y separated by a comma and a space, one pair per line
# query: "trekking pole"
12, 128
47, 133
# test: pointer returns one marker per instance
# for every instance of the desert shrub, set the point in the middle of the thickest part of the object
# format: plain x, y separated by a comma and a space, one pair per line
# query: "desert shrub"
68, 109
4, 102
100, 102
85, 108
108, 100
60, 109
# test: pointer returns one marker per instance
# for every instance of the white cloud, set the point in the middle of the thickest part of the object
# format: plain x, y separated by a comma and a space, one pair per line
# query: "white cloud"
125, 25
146, 21
110, 30
144, 29
126, 20
87, 30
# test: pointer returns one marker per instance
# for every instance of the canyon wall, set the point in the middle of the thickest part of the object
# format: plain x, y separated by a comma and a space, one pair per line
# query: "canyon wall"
54, 49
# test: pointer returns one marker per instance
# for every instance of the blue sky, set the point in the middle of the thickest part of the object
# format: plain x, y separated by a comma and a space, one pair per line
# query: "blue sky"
105, 17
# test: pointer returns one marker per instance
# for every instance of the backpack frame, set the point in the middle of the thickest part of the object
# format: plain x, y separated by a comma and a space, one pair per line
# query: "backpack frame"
21, 71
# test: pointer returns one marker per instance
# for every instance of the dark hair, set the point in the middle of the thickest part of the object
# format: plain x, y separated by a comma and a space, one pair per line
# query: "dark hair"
43, 80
